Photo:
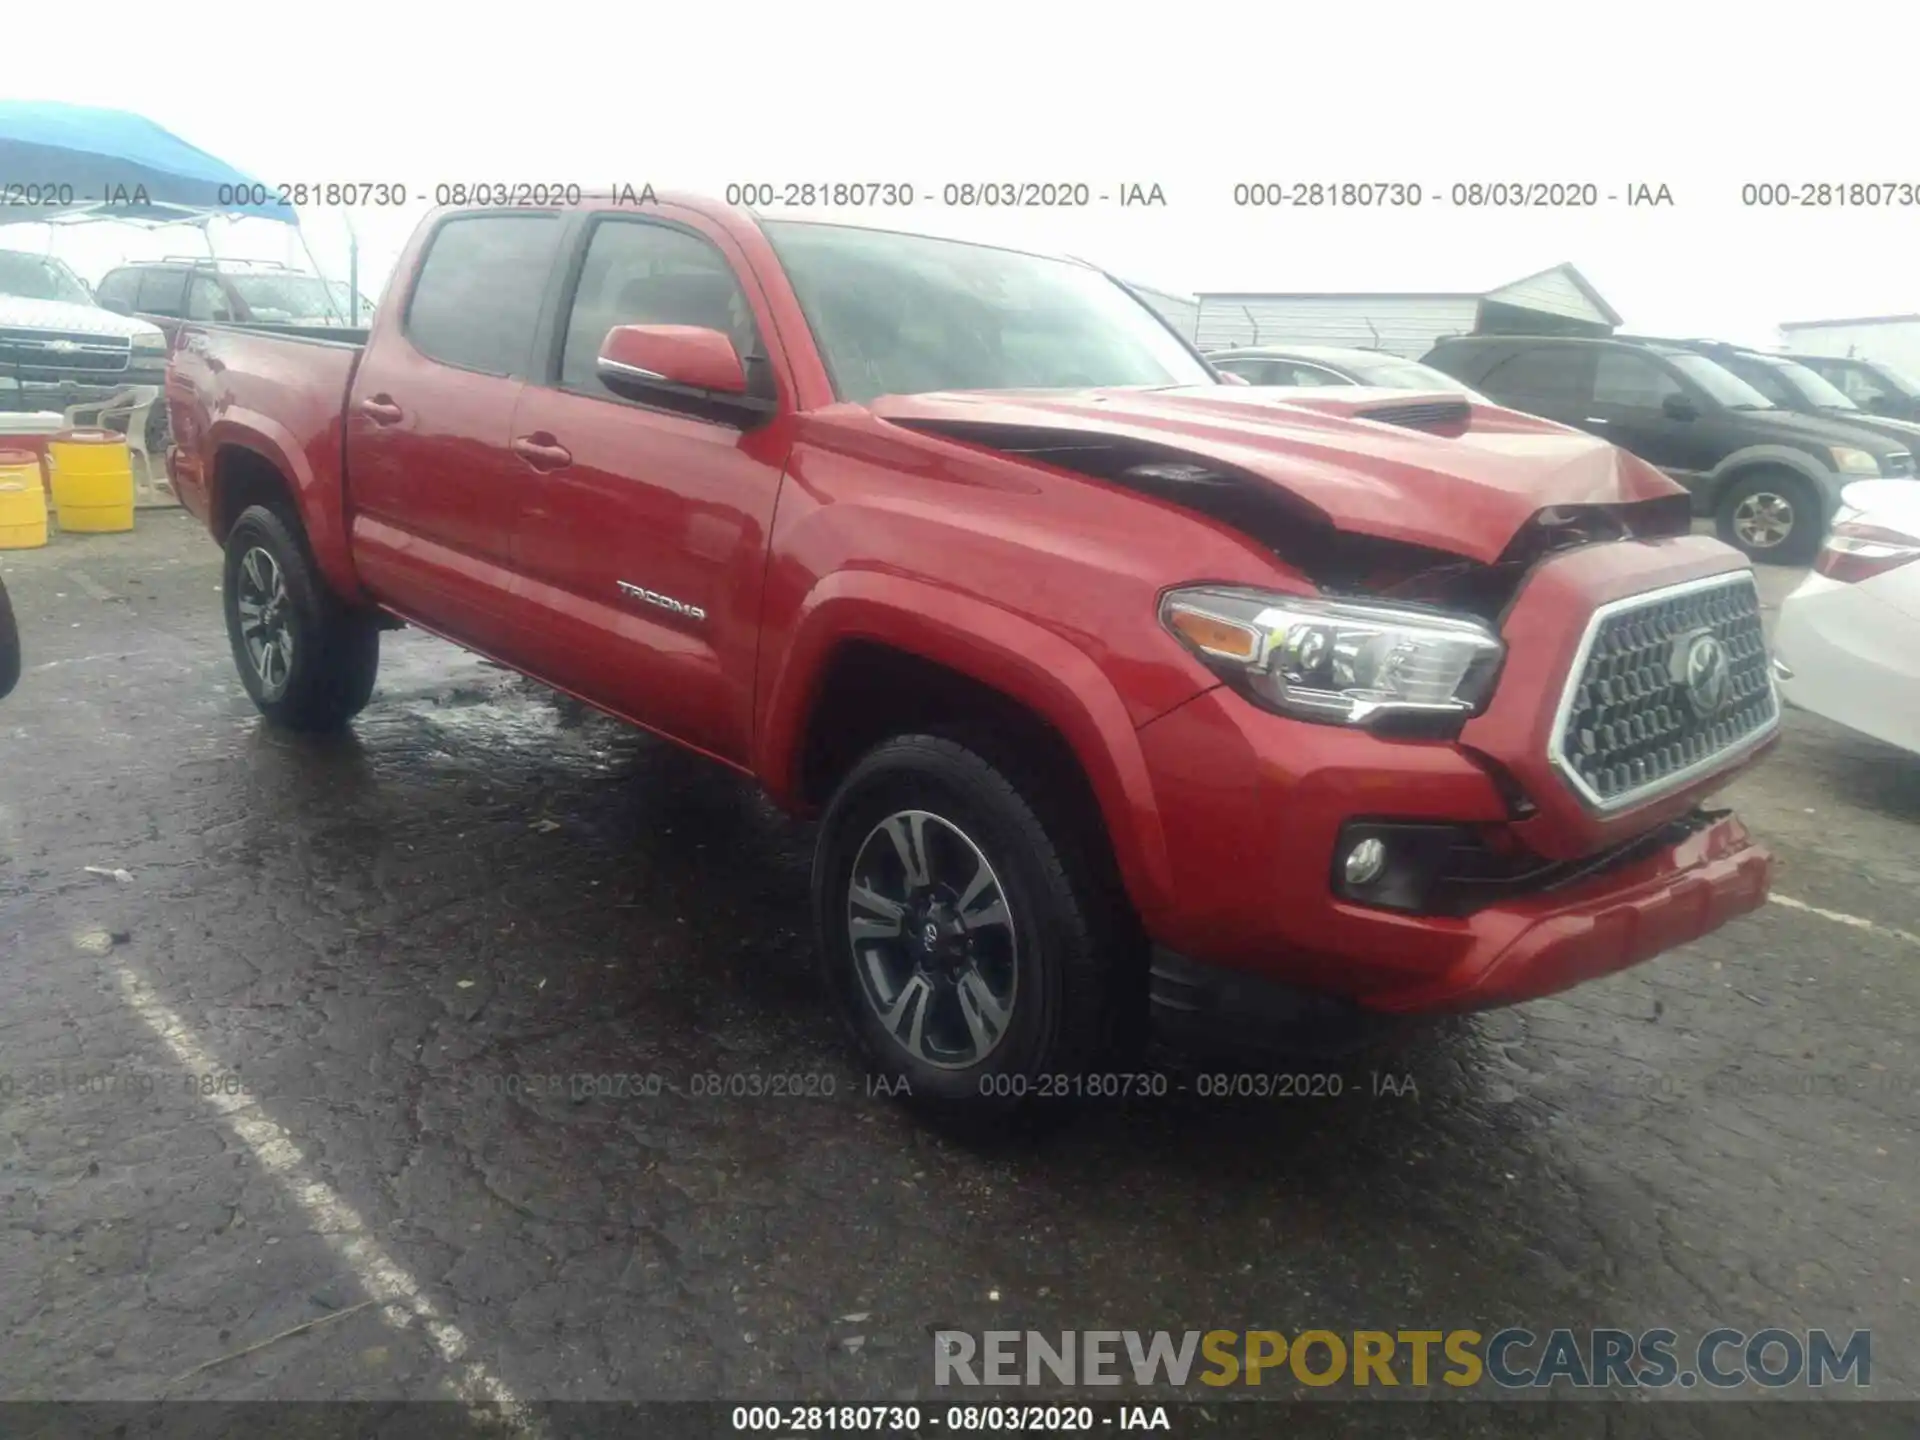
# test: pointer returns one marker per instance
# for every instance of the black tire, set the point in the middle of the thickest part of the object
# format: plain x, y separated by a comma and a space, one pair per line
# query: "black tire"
1754, 506
1071, 933
9, 645
328, 653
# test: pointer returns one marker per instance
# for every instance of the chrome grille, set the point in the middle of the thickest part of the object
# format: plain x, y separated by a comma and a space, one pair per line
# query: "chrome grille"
1643, 713
52, 350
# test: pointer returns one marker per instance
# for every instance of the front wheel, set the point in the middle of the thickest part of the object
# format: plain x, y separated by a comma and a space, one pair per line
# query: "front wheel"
1772, 516
307, 661
966, 936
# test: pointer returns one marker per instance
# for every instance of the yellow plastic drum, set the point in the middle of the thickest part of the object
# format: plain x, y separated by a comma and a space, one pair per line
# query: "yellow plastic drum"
23, 501
92, 481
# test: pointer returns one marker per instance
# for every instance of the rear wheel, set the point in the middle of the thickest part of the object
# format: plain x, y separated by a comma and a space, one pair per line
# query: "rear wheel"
1771, 515
307, 660
973, 948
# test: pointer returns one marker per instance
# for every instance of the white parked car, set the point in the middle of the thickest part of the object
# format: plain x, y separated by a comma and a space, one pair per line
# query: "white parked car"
1847, 644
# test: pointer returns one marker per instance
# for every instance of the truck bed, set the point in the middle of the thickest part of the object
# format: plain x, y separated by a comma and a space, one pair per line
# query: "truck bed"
281, 392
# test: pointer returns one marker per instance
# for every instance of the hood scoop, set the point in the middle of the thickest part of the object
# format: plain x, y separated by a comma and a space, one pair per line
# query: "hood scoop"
1437, 417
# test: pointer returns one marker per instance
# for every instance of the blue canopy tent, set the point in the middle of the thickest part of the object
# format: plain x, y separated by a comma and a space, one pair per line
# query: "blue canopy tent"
62, 164
78, 161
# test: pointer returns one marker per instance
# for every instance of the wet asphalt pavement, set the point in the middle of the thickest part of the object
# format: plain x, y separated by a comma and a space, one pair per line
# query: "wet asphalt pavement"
304, 1057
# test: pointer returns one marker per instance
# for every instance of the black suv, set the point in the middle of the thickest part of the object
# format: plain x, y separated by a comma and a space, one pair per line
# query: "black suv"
1789, 382
243, 291
1770, 478
1872, 386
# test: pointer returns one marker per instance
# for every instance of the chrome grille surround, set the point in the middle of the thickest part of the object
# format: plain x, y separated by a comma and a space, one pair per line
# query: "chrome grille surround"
50, 350
1628, 728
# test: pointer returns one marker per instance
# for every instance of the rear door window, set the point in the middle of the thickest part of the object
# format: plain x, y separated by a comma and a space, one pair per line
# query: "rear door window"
477, 300
1631, 381
163, 291
122, 287
206, 300
1560, 376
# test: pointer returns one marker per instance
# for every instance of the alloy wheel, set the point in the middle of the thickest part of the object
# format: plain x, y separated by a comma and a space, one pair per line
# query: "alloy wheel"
266, 620
933, 939
1763, 519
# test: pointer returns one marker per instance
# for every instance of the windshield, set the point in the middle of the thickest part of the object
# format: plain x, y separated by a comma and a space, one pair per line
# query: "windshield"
1814, 388
1391, 372
343, 297
1719, 382
285, 297
906, 314
1908, 385
40, 277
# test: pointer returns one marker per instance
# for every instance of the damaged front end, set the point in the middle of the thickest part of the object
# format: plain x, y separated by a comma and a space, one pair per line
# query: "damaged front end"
1338, 559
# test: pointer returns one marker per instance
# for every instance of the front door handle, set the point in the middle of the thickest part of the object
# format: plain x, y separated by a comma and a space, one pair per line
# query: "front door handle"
542, 451
381, 410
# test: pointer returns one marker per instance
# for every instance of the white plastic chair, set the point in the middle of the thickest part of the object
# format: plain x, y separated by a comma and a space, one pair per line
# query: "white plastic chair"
133, 405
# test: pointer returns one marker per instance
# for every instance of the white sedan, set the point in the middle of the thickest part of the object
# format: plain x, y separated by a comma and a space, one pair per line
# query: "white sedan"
1847, 643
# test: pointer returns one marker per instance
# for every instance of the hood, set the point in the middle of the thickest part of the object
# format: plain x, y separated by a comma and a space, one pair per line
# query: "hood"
1791, 425
1903, 433
20, 313
1433, 470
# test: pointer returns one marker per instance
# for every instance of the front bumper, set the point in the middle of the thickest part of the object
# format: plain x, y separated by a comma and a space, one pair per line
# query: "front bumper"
1500, 956
1254, 809
38, 391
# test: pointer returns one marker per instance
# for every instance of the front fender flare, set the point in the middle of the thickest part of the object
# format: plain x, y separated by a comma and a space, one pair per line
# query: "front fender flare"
1825, 482
1029, 664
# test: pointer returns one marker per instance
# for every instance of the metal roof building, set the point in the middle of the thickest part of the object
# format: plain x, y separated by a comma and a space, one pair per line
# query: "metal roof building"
1891, 339
1556, 301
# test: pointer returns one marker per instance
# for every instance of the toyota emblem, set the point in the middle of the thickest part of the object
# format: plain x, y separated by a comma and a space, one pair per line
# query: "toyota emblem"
1708, 679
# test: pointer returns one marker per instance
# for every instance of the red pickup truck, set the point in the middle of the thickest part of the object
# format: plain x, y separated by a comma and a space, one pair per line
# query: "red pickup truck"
1120, 692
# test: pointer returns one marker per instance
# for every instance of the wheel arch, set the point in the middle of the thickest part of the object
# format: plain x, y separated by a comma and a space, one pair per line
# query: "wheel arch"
1754, 458
952, 656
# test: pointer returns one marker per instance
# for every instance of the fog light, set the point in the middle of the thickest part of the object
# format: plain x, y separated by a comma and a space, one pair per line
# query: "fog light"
1365, 862
1781, 670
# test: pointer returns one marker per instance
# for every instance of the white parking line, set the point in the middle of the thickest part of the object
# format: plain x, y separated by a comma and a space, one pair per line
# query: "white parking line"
1858, 922
333, 1218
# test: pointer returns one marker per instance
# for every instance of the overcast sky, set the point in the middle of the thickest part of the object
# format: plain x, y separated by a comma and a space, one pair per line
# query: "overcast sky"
1195, 100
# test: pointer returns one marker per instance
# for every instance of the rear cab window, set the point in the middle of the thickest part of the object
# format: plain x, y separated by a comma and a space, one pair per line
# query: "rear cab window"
477, 300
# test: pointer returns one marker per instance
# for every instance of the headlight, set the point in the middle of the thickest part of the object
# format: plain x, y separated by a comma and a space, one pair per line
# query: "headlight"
1337, 661
1849, 461
154, 344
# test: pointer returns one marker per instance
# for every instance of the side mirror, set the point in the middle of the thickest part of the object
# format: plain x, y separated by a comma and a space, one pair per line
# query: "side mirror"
9, 646
686, 368
1679, 407
118, 307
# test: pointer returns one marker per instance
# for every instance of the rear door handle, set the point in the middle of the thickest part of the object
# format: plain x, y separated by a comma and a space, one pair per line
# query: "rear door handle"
381, 410
542, 451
